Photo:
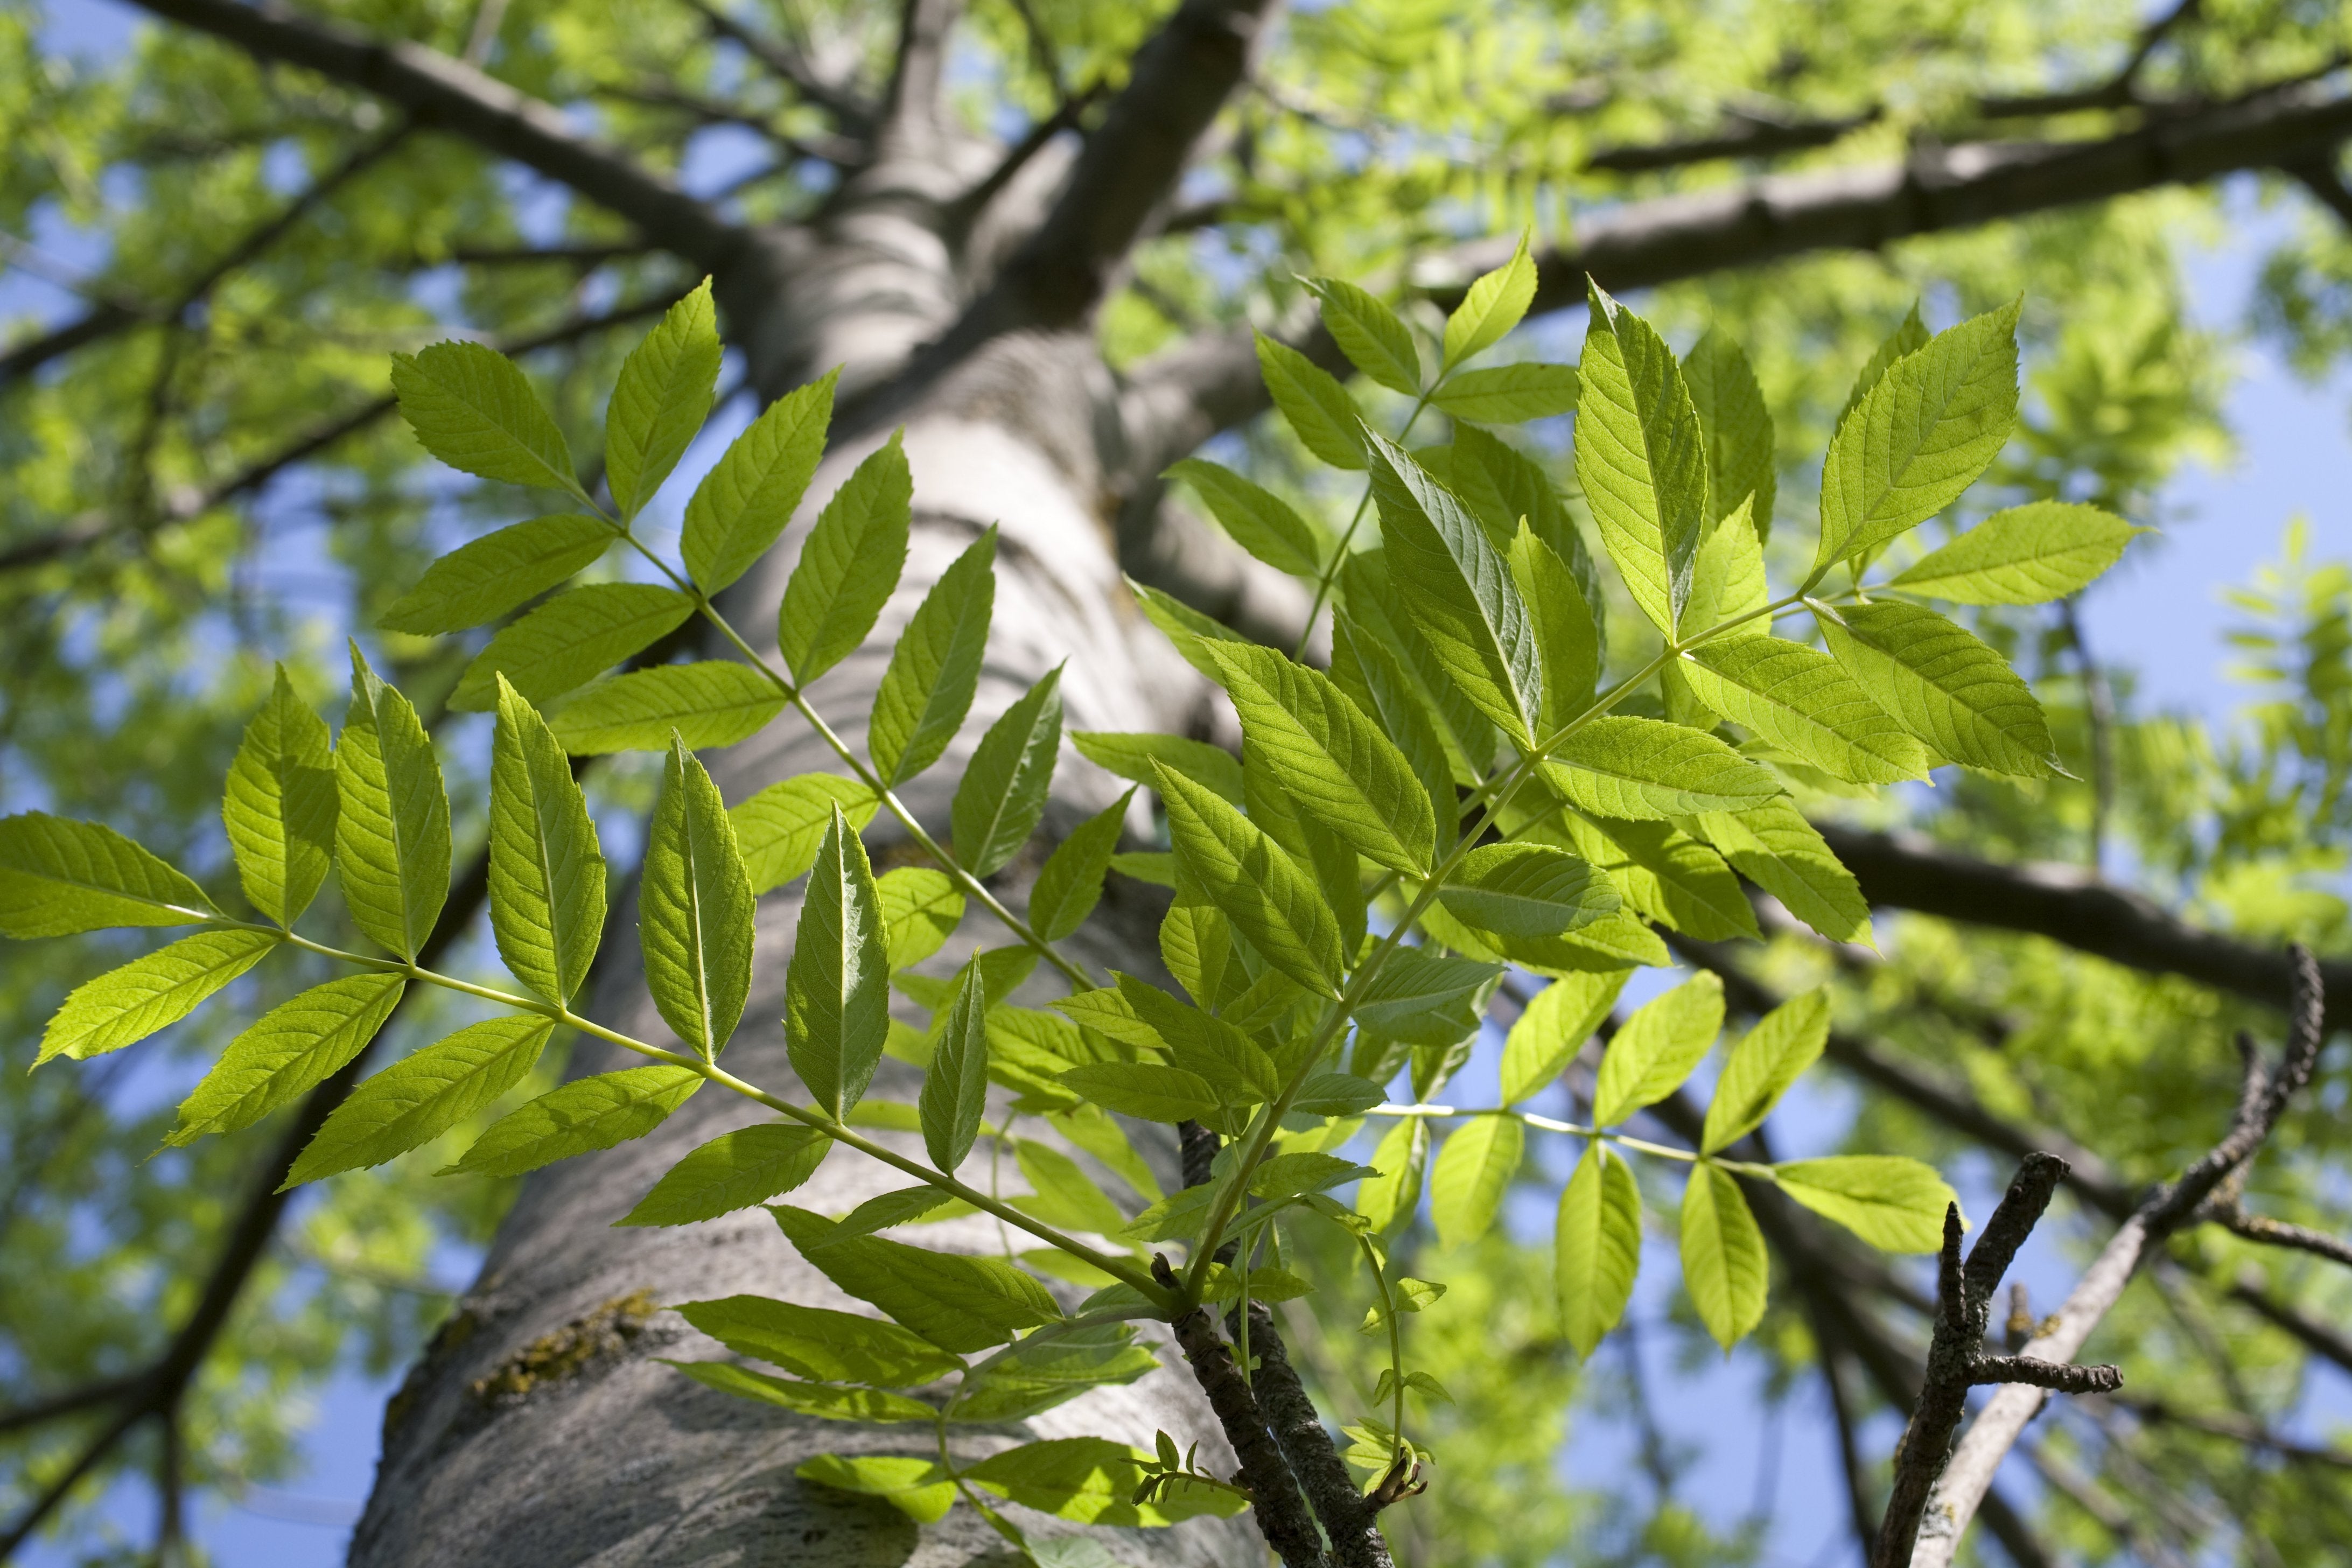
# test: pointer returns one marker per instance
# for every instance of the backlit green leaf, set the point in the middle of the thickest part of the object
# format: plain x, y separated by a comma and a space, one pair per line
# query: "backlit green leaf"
961, 1304
816, 1399
1735, 426
920, 910
1320, 411
1528, 890
734, 1171
1383, 691
820, 1343
1390, 1199
1509, 393
1491, 307
1775, 847
849, 566
1144, 1090
693, 909
1370, 334
1642, 458
1258, 887
1909, 336
935, 667
478, 582
1130, 756
1047, 1370
1001, 795
779, 828
1723, 1264
1371, 599
422, 1096
546, 871
473, 408
1727, 586
1071, 880
1665, 875
1061, 1194
1474, 1169
1091, 1481
59, 877
570, 640
744, 503
1933, 423
916, 1488
1566, 636
581, 1117
1894, 1204
126, 1005
713, 703
1643, 770
1598, 1239
1553, 1029
955, 1086
1797, 698
2027, 555
279, 806
1657, 1049
661, 399
1767, 1060
1945, 686
837, 989
391, 823
292, 1048
1259, 521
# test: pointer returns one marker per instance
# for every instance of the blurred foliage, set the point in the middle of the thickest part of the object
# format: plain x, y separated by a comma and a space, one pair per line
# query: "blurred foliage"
204, 490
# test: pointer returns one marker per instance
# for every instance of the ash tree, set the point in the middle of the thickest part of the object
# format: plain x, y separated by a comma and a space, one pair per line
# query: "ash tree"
1200, 602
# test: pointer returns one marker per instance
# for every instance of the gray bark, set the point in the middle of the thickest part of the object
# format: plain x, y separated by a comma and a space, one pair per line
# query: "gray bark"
621, 1460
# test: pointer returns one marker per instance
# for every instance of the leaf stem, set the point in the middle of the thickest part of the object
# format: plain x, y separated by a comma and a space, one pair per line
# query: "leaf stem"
1339, 551
1547, 1124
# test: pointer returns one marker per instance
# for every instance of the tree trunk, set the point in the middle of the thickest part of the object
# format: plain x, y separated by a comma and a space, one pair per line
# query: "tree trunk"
538, 1429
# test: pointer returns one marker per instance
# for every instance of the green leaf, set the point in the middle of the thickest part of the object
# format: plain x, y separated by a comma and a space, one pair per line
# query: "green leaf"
1390, 1199
1644, 771
1666, 875
1945, 687
1047, 1370
1723, 1264
1370, 334
961, 1304
907, 1484
1382, 690
955, 1086
1509, 393
391, 823
734, 1171
546, 871
422, 1096
2027, 555
1491, 307
849, 565
148, 994
1459, 591
1258, 521
1130, 756
1736, 427
816, 1399
1894, 1204
1501, 485
585, 1115
1933, 423
693, 909
1090, 1129
473, 408
1336, 1094
1729, 584
1320, 413
478, 582
744, 503
837, 989
661, 399
1775, 847
1258, 886
1184, 626
1474, 1169
1195, 941
292, 1048
779, 828
1331, 760
713, 703
1061, 1194
1001, 795
1553, 1029
1657, 1049
570, 640
820, 1343
1767, 1060
1599, 1246
1799, 699
1237, 1067
279, 806
1567, 638
59, 877
1381, 616
1091, 1481
1144, 1090
1640, 456
1071, 881
920, 910
935, 667
1528, 890
1909, 336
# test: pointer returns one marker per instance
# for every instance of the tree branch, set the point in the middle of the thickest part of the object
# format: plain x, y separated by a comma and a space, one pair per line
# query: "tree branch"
1997, 1428
2230, 1217
2118, 91
849, 112
449, 95
1744, 135
910, 105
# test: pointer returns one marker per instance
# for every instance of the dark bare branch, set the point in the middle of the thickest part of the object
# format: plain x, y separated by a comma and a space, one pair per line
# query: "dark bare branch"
1744, 135
2234, 1218
850, 112
2319, 176
449, 95
2118, 91
2063, 1376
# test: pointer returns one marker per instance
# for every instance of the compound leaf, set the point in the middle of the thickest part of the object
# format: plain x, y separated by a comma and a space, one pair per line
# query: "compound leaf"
570, 640
1001, 796
292, 1048
580, 1118
422, 1096
1767, 1060
473, 408
837, 988
744, 503
935, 667
1598, 1237
712, 703
546, 871
734, 1171
849, 565
1642, 458
1657, 1049
1723, 1264
126, 1005
392, 822
661, 399
279, 806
